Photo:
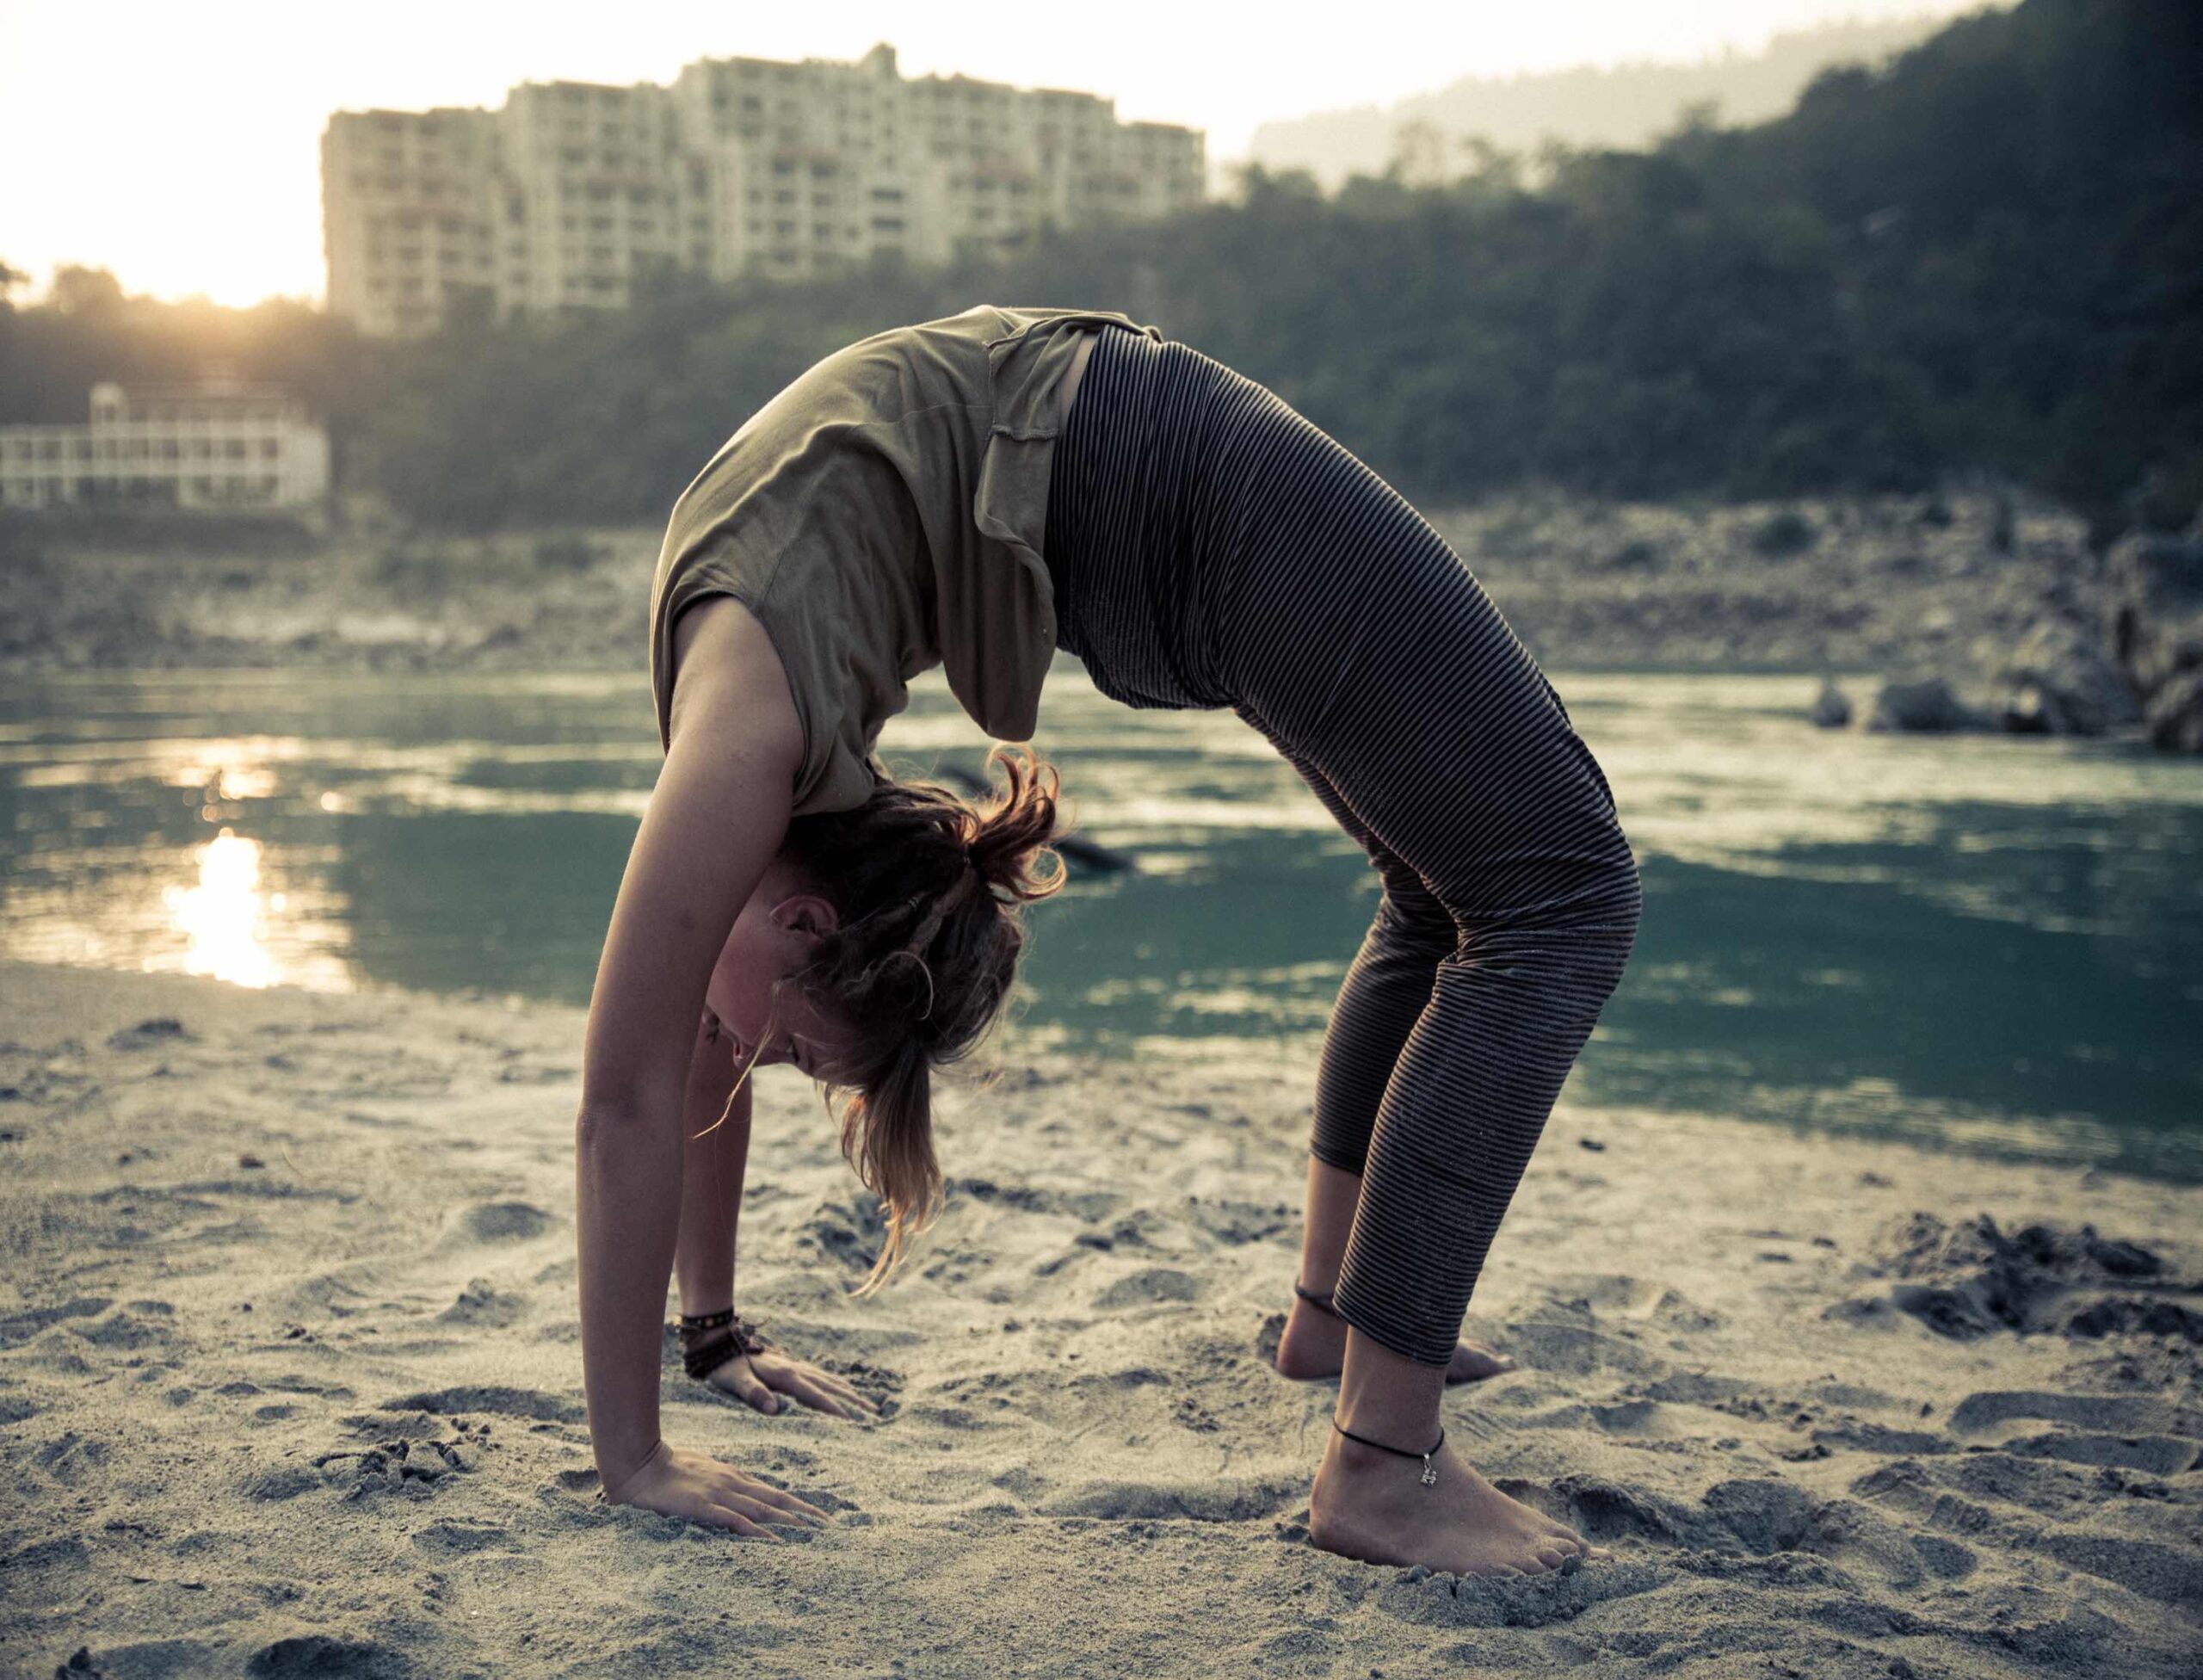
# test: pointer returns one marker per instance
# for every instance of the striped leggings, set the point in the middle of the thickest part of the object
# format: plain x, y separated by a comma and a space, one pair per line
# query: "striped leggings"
1210, 547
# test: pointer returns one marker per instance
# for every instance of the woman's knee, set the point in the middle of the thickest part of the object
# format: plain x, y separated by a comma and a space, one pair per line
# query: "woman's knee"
1578, 940
1603, 932
1627, 894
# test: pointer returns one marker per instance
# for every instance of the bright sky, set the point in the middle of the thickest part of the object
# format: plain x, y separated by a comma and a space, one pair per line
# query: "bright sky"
179, 145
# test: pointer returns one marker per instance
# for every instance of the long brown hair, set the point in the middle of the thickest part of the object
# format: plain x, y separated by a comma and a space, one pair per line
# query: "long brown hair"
929, 892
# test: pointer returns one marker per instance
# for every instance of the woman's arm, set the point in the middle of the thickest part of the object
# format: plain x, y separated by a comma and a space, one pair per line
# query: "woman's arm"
715, 1161
717, 815
717, 1157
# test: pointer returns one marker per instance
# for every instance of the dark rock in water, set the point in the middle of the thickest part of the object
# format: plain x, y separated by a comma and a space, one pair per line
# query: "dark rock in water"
1831, 709
2156, 631
2062, 681
1783, 534
1928, 704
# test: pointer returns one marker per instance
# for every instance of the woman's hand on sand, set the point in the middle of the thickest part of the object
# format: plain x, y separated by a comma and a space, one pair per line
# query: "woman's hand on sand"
761, 1378
703, 1489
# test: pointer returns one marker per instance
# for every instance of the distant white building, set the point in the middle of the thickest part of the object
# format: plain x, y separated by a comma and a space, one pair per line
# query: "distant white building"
572, 191
220, 444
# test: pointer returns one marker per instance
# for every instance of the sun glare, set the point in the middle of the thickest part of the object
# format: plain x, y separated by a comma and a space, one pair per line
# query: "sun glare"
224, 916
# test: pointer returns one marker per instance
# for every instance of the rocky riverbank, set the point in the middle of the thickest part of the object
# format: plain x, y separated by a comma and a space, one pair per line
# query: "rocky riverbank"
1996, 596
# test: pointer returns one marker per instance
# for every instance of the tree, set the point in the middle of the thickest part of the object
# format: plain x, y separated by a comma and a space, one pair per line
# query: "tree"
89, 292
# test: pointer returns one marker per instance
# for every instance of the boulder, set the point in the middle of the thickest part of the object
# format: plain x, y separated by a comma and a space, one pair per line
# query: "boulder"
2062, 681
1831, 709
2157, 606
2174, 714
1930, 703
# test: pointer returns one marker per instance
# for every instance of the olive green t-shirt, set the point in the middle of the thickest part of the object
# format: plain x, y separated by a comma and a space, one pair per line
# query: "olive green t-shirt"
881, 515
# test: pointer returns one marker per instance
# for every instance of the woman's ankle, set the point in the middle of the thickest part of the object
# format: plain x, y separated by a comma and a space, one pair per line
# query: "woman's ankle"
1387, 1396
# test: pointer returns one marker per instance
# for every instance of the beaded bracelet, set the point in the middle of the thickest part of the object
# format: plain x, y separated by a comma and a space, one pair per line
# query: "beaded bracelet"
708, 1340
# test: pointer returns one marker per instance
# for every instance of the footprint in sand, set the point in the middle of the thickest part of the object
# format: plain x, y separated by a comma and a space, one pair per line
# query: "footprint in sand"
1565, 1338
1974, 1279
505, 1222
322, 1654
394, 1463
1153, 1287
850, 1231
530, 1403
1979, 1413
1235, 1223
1087, 1206
22, 1326
153, 1034
138, 1323
1257, 1500
484, 1306
2157, 1454
2052, 1509
449, 1538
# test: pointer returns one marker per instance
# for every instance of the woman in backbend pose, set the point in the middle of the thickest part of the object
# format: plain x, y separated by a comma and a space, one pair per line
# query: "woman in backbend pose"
975, 492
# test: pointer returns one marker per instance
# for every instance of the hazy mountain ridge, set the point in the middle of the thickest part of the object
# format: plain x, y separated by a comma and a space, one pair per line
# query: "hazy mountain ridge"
1586, 105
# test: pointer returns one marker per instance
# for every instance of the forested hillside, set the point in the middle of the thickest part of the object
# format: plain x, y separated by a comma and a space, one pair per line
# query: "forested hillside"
1988, 254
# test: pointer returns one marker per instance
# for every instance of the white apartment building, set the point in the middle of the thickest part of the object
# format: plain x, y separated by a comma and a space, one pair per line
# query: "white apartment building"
220, 444
571, 190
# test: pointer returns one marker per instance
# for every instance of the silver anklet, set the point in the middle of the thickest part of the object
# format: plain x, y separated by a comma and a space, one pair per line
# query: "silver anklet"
1429, 1470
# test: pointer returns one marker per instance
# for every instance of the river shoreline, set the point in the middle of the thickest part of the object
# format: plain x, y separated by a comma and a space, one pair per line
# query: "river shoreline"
1865, 586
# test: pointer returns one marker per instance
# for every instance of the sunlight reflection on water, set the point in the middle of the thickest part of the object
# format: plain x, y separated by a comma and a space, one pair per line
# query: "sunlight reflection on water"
224, 916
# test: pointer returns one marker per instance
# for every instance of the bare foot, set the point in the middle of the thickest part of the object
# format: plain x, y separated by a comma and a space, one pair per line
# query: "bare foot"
1374, 1507
1313, 1345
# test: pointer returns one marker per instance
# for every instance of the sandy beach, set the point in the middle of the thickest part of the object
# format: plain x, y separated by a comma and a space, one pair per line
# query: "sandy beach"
290, 1382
